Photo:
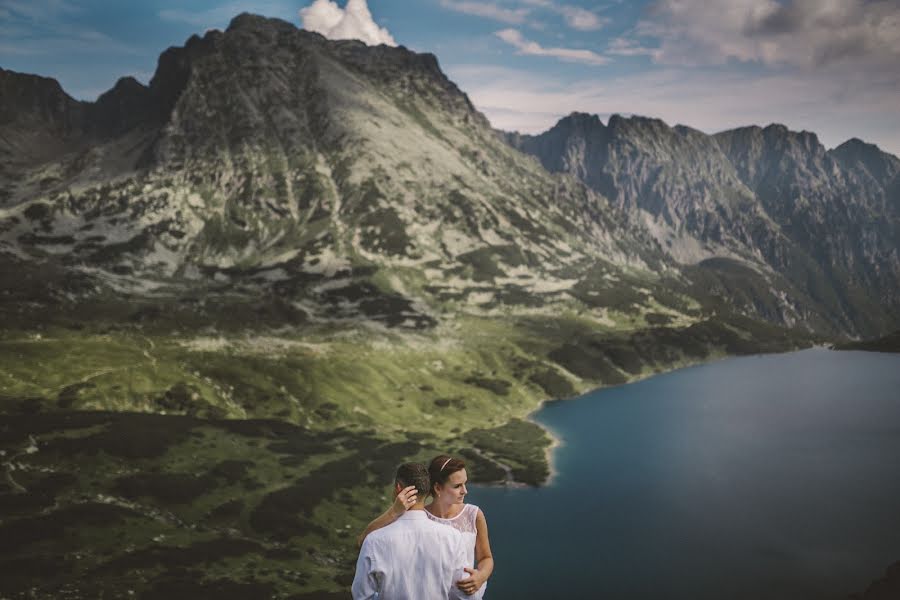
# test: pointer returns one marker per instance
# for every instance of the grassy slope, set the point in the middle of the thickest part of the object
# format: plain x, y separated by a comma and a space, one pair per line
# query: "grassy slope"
888, 343
172, 500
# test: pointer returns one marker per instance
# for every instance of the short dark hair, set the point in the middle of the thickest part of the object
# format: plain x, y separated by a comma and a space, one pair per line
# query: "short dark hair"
414, 474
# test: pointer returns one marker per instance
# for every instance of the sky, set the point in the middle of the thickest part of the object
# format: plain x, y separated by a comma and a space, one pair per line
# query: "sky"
826, 66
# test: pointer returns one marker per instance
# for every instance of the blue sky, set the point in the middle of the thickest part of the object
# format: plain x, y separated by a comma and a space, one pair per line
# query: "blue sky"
827, 66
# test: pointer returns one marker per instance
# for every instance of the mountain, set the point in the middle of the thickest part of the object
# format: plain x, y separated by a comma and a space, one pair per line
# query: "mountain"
232, 300
819, 228
266, 157
271, 183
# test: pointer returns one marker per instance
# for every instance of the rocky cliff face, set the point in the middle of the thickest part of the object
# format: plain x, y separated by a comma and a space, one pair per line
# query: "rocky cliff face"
821, 227
336, 180
38, 120
340, 181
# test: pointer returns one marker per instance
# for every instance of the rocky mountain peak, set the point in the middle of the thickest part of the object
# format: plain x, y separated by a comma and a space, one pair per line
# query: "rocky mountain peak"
174, 69
774, 156
39, 100
259, 23
637, 123
383, 62
128, 104
855, 147
778, 134
775, 137
857, 154
38, 121
580, 121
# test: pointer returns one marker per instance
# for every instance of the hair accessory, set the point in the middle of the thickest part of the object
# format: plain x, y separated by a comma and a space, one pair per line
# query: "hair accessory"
445, 464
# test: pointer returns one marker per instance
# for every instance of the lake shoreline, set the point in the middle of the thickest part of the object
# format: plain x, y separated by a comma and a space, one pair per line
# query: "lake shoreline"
557, 442
650, 469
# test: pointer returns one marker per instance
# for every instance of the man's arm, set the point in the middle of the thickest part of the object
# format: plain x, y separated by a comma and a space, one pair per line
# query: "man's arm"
365, 583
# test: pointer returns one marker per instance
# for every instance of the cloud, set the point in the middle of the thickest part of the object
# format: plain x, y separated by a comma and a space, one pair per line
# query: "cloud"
513, 16
622, 46
709, 100
39, 28
574, 16
43, 10
805, 33
220, 16
581, 19
353, 22
517, 40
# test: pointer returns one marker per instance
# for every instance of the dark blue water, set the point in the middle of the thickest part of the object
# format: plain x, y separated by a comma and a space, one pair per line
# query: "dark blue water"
771, 477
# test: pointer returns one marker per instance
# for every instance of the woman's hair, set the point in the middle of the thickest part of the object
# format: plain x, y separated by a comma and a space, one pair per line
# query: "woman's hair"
442, 467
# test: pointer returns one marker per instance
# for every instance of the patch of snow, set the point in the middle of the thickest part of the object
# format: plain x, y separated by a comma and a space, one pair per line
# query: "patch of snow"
458, 242
493, 238
328, 264
274, 275
333, 284
280, 258
547, 285
476, 298
195, 200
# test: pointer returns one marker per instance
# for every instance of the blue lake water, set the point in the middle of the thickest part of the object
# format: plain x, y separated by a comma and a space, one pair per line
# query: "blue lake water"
767, 477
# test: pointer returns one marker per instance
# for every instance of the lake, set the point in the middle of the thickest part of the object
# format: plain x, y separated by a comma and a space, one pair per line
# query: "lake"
766, 477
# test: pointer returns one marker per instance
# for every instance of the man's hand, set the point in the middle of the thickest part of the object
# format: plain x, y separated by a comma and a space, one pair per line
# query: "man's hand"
472, 584
404, 500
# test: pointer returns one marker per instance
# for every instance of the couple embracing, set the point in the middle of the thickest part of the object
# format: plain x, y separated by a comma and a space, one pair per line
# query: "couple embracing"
417, 552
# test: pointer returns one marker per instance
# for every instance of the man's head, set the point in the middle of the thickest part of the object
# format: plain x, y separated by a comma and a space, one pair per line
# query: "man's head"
414, 474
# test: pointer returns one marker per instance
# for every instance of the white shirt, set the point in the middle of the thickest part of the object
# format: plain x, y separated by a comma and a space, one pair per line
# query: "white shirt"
413, 558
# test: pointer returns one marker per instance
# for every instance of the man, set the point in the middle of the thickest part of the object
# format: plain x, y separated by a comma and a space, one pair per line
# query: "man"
413, 558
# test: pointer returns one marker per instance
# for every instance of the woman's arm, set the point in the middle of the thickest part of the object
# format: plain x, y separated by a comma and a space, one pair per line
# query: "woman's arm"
484, 560
405, 499
483, 557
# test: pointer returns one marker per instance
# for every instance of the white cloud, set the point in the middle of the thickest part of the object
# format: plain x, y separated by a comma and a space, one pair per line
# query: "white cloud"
490, 10
352, 22
38, 28
220, 16
710, 101
574, 16
37, 10
524, 46
805, 33
628, 47
581, 19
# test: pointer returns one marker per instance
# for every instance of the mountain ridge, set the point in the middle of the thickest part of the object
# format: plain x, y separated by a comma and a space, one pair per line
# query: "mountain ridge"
667, 196
265, 130
766, 196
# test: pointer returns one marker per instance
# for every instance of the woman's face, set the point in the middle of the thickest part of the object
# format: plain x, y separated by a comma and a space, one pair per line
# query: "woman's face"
454, 490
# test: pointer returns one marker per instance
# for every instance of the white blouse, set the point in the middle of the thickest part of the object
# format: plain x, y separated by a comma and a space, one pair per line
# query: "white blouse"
464, 523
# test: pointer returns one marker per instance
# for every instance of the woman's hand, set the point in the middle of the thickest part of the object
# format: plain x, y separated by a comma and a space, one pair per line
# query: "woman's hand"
404, 500
473, 583
402, 503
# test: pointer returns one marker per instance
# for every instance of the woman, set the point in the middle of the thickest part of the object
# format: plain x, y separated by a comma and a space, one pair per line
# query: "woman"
448, 490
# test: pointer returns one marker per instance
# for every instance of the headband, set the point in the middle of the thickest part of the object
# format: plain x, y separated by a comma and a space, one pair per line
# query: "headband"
445, 464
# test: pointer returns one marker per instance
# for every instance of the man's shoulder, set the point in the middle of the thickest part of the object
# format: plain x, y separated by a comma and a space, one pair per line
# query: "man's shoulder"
403, 527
